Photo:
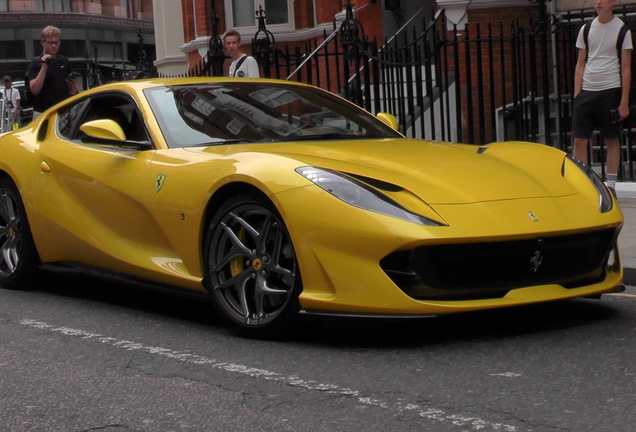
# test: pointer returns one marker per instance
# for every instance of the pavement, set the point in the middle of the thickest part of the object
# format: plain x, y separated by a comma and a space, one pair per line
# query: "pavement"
626, 193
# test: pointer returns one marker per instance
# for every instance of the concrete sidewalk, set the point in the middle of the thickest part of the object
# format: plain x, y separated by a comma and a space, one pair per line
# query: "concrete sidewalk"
627, 239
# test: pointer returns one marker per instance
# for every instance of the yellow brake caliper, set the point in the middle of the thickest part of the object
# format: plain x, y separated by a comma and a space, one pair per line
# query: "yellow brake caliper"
236, 263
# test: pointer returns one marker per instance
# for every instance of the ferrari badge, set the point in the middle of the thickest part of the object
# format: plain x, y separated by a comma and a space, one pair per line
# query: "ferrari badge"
533, 216
159, 182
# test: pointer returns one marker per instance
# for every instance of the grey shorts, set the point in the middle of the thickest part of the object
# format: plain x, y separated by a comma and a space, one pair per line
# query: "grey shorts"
591, 111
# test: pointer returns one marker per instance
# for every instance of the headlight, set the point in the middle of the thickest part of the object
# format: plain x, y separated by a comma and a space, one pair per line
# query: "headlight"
605, 202
360, 195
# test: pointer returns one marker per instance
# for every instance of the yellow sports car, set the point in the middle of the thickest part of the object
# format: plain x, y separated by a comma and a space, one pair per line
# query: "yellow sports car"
280, 199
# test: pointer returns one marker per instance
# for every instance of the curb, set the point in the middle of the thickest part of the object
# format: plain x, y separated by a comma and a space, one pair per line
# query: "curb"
629, 276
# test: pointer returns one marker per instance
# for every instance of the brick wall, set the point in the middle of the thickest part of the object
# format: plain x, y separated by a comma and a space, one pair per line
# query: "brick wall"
481, 23
501, 14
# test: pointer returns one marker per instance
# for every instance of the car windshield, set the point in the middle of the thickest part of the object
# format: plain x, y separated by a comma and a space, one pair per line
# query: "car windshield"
255, 112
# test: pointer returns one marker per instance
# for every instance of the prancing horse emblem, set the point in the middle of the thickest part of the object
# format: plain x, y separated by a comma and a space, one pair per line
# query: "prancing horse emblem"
536, 261
159, 182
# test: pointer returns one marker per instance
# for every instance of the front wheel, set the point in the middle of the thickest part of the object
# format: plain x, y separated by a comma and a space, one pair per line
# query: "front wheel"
251, 268
19, 260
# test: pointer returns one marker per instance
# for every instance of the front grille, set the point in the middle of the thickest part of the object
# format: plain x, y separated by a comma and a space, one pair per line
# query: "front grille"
471, 271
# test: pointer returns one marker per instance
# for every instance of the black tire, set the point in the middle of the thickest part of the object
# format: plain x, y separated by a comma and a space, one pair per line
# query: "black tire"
19, 258
251, 269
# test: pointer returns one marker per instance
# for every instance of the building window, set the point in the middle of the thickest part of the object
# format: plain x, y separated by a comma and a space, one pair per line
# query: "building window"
242, 14
73, 48
109, 52
4, 5
68, 48
10, 50
54, 5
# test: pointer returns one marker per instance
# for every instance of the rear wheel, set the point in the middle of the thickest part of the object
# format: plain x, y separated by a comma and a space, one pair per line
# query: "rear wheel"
251, 268
19, 260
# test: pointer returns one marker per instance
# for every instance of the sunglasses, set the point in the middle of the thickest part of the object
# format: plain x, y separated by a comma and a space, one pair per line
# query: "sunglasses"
52, 42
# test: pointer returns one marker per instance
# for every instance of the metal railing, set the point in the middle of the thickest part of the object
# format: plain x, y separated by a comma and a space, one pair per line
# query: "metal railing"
480, 83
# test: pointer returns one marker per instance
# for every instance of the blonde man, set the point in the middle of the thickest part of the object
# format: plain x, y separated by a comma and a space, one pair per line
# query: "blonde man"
50, 79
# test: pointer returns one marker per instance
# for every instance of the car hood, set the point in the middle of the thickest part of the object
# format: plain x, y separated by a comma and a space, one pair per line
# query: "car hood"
442, 173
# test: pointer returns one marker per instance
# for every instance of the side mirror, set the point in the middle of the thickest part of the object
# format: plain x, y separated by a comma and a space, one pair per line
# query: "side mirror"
389, 119
109, 133
103, 130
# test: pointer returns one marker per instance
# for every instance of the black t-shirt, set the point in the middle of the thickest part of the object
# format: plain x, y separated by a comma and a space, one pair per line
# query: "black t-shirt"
55, 88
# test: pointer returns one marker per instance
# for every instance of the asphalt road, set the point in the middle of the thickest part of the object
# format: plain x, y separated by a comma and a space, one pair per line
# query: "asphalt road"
81, 354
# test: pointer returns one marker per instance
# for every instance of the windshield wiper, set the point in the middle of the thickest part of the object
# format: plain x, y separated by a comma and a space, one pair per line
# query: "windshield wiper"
323, 136
224, 142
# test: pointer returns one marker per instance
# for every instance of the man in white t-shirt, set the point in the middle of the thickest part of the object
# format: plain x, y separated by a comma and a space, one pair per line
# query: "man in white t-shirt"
242, 65
11, 97
601, 84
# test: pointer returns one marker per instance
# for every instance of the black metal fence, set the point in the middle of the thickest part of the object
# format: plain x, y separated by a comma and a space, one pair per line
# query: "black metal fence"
477, 84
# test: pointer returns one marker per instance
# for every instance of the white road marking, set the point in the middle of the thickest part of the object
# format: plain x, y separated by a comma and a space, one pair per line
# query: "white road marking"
507, 374
424, 412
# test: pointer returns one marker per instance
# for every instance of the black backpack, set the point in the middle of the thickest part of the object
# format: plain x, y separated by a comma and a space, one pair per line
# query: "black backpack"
619, 40
28, 96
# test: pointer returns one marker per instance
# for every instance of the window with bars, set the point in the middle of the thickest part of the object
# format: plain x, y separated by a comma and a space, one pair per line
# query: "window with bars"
241, 14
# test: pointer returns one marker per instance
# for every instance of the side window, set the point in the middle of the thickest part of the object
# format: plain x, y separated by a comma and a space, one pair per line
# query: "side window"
44, 127
68, 119
121, 110
113, 107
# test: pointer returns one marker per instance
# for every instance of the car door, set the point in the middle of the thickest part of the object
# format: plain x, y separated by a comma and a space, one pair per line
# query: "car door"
88, 194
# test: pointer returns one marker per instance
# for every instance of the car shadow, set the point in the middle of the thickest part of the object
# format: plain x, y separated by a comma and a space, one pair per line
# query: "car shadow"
112, 290
495, 324
362, 333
